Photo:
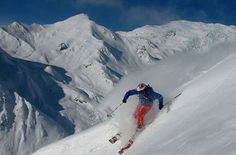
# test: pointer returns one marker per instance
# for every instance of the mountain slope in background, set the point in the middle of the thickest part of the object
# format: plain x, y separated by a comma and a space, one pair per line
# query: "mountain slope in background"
64, 70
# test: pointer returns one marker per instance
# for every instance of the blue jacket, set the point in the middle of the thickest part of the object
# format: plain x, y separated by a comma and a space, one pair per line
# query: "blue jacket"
146, 97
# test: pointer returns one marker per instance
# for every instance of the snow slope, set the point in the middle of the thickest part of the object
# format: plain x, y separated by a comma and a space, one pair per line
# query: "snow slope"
80, 62
200, 121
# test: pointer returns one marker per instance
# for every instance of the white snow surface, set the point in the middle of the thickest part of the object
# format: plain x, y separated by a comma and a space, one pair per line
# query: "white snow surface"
63, 78
199, 122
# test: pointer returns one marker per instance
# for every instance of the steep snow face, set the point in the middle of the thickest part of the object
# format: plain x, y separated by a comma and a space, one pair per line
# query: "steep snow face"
29, 110
82, 61
200, 121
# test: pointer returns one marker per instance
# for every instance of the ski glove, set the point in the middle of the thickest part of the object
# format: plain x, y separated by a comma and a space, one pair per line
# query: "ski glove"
160, 106
124, 101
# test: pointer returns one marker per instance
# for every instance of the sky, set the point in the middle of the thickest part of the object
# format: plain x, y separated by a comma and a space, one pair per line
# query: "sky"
119, 15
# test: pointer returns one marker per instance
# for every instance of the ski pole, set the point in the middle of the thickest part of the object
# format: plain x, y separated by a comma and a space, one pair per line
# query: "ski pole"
110, 115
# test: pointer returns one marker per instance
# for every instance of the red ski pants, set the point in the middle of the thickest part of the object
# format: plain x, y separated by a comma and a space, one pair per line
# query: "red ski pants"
140, 113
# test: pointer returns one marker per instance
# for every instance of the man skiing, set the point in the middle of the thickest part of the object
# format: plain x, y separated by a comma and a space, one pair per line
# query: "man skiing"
146, 97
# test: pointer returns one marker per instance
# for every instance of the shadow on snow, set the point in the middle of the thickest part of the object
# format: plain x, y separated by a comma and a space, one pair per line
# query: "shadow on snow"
32, 82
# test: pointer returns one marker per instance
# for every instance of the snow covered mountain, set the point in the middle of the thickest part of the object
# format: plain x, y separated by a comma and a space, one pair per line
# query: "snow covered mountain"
57, 75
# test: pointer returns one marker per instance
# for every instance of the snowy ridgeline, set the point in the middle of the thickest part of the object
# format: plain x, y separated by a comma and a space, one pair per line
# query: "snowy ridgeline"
53, 77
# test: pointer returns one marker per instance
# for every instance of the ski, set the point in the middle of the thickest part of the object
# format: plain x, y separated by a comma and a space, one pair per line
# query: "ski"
128, 145
115, 138
131, 140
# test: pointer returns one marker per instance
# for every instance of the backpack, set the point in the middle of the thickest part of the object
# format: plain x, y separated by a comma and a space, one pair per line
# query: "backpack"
146, 91
148, 88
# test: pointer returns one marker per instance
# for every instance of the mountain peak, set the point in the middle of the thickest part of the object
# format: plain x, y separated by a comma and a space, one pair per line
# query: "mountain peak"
16, 25
81, 16
75, 20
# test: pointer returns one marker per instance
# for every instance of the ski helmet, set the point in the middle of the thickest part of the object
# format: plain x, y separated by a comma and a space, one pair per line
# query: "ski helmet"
141, 86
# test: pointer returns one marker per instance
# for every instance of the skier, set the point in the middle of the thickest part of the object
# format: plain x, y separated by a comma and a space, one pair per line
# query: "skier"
146, 97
